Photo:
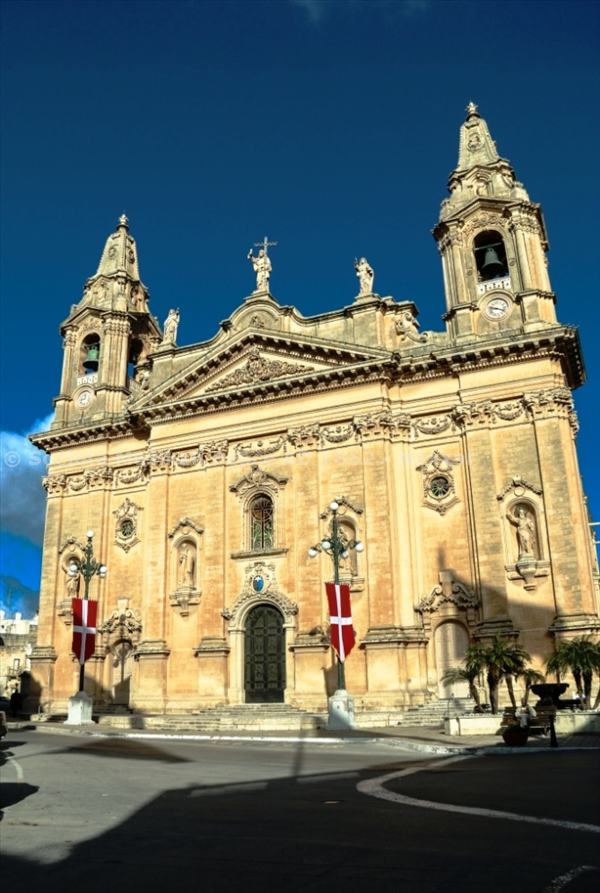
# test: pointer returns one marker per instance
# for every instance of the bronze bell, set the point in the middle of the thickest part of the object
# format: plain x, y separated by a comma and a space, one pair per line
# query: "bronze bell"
492, 265
90, 364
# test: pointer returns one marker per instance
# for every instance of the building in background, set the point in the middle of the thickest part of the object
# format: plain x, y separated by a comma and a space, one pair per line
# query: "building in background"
18, 638
206, 472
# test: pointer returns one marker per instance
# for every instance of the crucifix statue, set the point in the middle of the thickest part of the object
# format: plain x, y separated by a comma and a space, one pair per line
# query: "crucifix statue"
262, 265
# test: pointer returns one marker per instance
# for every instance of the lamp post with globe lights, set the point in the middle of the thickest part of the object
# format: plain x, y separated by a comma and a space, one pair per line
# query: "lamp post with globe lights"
339, 548
79, 708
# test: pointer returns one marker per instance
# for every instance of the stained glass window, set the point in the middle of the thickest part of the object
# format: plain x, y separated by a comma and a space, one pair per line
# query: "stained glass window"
261, 521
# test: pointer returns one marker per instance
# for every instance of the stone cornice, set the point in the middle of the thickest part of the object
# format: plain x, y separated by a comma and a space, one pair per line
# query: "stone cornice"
206, 363
413, 364
112, 429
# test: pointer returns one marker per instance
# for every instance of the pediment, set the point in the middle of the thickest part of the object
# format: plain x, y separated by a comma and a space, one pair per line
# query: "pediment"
255, 366
255, 361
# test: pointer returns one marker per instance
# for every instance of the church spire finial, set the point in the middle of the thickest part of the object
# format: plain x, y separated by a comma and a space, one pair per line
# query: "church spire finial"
123, 221
472, 111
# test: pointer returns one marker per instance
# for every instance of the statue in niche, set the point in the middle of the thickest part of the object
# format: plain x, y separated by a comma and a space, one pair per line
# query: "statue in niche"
73, 583
170, 327
262, 268
525, 531
365, 276
187, 566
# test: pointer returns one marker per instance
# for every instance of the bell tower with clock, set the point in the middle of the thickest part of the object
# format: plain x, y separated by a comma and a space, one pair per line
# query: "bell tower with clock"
493, 244
107, 338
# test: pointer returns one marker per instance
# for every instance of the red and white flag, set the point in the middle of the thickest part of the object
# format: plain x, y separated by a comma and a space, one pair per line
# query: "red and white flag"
85, 613
340, 618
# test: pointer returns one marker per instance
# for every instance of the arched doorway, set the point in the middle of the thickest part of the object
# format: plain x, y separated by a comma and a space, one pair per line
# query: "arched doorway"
122, 668
451, 641
264, 656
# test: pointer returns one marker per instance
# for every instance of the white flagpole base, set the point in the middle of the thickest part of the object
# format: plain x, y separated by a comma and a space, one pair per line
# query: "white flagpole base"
341, 711
80, 710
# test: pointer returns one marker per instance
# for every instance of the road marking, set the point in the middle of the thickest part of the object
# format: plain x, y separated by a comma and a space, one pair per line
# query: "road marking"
562, 881
373, 787
17, 767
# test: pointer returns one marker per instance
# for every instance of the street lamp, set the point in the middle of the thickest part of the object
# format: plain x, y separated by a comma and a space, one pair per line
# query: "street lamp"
338, 547
88, 567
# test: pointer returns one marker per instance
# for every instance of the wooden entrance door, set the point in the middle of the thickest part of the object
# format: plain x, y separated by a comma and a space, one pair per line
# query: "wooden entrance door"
264, 670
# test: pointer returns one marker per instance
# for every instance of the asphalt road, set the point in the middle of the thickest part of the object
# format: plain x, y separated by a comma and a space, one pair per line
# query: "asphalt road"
98, 814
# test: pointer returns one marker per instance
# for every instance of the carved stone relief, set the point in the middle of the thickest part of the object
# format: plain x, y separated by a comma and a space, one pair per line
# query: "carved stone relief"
439, 487
260, 585
258, 369
407, 328
127, 524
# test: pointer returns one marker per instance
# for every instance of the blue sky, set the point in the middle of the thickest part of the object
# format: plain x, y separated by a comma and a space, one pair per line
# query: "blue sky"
330, 127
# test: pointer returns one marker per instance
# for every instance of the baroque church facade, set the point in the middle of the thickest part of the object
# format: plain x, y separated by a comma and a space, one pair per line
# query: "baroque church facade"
210, 469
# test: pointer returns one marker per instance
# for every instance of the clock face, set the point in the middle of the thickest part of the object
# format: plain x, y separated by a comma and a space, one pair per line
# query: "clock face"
497, 308
84, 399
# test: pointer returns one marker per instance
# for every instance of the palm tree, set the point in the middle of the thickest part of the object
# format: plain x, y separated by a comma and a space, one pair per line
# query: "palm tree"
581, 657
467, 674
530, 677
500, 660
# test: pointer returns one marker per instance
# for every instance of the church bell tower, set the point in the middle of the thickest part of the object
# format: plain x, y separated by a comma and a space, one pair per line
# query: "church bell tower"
107, 338
493, 244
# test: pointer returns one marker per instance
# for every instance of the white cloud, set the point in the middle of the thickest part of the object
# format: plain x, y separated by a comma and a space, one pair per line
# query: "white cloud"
23, 503
316, 9
313, 8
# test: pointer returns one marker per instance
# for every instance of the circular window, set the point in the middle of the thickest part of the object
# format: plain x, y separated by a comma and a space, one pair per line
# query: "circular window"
439, 487
127, 528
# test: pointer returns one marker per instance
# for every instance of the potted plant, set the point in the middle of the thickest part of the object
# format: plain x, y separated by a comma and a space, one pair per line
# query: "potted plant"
515, 735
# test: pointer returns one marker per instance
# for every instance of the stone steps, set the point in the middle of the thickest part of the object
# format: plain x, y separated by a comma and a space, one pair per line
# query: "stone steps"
435, 712
223, 719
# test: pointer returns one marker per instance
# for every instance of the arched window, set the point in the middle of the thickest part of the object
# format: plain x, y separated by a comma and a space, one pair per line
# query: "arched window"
261, 523
490, 256
136, 349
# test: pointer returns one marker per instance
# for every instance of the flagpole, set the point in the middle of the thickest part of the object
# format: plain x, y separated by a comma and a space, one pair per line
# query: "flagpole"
335, 544
339, 549
88, 568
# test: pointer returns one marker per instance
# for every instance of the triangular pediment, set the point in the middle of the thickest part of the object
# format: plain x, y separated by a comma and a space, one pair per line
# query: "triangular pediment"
253, 366
254, 361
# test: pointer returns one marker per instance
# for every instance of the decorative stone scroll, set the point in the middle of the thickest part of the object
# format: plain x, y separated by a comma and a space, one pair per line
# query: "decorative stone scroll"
407, 328
123, 624
455, 594
256, 479
451, 598
184, 526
